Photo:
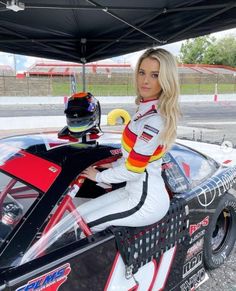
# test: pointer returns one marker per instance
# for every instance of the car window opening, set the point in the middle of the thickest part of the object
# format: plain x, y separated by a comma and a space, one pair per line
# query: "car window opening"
16, 199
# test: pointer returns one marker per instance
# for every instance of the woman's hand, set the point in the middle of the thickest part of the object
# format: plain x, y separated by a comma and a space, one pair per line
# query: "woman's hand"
90, 173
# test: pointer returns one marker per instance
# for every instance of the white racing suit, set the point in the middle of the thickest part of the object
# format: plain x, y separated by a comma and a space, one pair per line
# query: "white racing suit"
144, 200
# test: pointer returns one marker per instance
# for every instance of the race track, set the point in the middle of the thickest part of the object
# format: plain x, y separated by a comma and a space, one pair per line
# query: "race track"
212, 121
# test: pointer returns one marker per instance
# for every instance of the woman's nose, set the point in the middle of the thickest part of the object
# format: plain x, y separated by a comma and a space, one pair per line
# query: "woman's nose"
146, 80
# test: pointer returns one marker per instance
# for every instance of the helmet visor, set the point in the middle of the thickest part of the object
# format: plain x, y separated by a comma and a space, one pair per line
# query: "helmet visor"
80, 124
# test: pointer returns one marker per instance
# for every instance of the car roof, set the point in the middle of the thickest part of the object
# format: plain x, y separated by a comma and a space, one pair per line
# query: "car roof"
36, 157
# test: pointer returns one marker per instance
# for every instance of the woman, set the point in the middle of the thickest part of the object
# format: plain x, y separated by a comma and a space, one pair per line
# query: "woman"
150, 133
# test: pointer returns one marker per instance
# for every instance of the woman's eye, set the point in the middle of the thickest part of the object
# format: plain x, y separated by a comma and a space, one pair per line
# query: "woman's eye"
155, 76
141, 73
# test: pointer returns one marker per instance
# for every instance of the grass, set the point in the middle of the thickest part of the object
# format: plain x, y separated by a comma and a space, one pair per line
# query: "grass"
207, 88
128, 90
98, 90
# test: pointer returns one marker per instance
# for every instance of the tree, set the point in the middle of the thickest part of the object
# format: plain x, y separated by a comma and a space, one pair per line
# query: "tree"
222, 52
192, 50
209, 50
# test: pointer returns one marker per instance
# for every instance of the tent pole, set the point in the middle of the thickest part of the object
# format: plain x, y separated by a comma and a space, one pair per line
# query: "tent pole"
83, 77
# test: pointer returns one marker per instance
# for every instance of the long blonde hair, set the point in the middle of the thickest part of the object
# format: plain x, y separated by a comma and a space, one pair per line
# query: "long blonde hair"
168, 100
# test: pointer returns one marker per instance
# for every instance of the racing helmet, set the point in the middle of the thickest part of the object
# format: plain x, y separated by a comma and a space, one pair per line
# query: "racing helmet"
82, 113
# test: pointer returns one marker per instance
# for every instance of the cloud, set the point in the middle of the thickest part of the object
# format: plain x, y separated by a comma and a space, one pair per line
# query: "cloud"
6, 59
225, 33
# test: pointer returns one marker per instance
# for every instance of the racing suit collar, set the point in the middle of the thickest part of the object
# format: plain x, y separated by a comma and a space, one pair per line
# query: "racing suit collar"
147, 101
145, 105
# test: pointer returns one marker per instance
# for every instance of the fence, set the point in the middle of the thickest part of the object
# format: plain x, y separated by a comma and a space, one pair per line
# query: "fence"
12, 86
110, 84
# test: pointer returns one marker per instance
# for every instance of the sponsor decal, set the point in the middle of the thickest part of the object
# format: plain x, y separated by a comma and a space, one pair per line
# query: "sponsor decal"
148, 127
146, 136
192, 264
197, 236
115, 152
53, 169
8, 153
215, 187
194, 281
196, 248
194, 227
50, 281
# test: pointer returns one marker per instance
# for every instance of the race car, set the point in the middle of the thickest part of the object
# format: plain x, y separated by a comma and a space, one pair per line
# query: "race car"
46, 245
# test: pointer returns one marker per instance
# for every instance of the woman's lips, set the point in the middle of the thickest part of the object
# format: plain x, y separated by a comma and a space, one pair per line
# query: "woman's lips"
145, 88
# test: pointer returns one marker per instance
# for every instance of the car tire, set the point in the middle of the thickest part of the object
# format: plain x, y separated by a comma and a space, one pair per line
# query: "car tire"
220, 235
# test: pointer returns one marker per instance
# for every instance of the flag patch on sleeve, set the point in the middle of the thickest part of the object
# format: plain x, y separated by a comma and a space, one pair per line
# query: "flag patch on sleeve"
146, 136
153, 129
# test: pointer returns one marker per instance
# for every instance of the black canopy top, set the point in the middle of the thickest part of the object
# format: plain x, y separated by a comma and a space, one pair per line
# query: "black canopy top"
89, 30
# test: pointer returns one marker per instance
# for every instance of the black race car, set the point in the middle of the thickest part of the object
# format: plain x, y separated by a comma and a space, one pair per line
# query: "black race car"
46, 245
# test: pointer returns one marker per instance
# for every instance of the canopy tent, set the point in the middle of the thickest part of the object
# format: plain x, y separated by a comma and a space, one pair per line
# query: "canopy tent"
87, 30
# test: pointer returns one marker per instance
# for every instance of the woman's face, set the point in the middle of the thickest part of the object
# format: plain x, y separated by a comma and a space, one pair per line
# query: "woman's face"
147, 79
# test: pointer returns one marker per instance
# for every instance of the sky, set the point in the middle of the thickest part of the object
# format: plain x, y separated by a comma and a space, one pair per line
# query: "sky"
22, 62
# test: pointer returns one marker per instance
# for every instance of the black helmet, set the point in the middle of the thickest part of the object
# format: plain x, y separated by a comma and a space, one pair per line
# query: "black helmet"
82, 112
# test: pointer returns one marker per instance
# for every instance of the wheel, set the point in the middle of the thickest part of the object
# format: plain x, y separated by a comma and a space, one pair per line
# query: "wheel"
221, 233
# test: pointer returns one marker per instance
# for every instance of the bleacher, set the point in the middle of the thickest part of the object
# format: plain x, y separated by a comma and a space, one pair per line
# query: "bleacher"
109, 67
67, 69
206, 69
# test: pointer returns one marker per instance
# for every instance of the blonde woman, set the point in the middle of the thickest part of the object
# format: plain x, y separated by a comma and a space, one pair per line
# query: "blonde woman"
150, 133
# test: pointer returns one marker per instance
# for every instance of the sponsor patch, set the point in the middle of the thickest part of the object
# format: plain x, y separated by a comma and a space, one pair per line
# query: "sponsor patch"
148, 127
197, 236
192, 264
146, 136
194, 227
196, 248
49, 281
194, 281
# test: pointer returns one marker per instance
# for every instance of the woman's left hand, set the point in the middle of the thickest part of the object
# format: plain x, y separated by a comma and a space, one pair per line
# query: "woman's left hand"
90, 173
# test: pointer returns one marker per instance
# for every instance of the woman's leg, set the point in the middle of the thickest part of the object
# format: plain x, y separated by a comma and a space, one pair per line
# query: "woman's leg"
102, 201
123, 213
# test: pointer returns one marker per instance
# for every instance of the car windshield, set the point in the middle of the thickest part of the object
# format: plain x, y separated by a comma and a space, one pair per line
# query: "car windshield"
15, 200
